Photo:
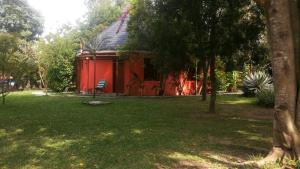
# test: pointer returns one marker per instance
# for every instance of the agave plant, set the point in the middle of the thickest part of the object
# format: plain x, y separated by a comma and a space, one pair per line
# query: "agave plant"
256, 82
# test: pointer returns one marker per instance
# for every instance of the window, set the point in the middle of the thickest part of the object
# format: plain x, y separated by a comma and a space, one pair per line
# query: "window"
150, 73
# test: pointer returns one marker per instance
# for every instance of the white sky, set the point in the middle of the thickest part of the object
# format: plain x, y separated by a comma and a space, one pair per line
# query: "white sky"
59, 12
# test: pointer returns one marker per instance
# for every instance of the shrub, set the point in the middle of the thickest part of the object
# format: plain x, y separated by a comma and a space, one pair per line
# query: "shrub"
266, 98
59, 57
232, 81
221, 80
227, 81
60, 78
256, 82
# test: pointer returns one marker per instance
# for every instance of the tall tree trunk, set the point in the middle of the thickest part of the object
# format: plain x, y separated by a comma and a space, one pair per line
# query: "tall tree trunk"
283, 25
213, 97
196, 77
162, 83
295, 17
204, 81
213, 47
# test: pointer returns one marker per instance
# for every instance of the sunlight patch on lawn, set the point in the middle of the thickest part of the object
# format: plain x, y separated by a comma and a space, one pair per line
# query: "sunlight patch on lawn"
180, 156
37, 151
3, 133
106, 135
255, 136
207, 158
57, 143
41, 130
241, 101
39, 93
32, 165
249, 120
12, 147
244, 132
18, 131
137, 131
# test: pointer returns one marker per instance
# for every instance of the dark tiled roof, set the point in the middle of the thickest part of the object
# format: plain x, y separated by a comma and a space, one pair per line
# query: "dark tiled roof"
114, 36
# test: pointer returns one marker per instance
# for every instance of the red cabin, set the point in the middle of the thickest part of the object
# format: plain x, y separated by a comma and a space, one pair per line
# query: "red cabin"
131, 75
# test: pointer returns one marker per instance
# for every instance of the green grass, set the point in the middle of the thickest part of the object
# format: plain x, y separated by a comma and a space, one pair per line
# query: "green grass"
131, 133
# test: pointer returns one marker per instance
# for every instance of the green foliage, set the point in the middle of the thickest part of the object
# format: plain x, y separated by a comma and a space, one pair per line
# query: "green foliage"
24, 68
227, 81
19, 26
154, 26
18, 60
256, 82
266, 98
102, 12
232, 81
16, 16
289, 163
297, 165
57, 57
221, 80
8, 46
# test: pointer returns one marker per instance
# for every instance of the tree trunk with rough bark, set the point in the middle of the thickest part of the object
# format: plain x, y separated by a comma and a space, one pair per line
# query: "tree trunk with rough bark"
295, 20
213, 43
283, 27
213, 97
162, 83
204, 81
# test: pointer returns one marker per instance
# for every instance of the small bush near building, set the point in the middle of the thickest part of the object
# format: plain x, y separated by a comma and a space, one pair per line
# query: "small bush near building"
227, 81
266, 98
221, 80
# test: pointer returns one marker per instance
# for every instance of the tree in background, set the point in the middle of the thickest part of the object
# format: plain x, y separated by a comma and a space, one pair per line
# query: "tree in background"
157, 27
21, 21
176, 30
24, 68
42, 63
19, 18
56, 59
226, 18
8, 46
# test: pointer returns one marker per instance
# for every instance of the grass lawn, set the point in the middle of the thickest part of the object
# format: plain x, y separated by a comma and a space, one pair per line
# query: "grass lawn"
131, 133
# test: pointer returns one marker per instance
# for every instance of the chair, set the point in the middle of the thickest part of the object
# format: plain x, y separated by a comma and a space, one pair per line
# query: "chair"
101, 85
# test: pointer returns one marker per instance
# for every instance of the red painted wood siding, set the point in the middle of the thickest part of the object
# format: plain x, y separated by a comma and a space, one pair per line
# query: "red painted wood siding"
104, 71
133, 85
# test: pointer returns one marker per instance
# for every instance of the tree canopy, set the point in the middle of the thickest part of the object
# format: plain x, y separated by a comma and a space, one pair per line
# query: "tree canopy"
16, 16
177, 30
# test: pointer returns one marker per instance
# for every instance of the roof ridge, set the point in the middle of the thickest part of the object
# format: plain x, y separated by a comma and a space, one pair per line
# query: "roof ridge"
123, 17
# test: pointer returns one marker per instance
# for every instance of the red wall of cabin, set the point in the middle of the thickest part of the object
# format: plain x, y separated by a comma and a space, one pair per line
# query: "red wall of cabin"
104, 71
132, 86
